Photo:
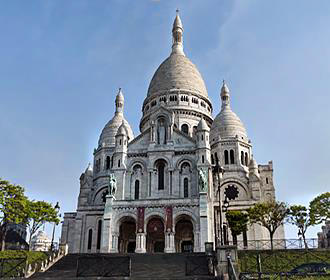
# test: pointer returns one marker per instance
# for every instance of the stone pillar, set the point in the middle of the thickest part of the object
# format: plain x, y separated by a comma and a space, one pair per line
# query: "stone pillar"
114, 243
107, 235
197, 243
141, 242
169, 242
203, 211
79, 238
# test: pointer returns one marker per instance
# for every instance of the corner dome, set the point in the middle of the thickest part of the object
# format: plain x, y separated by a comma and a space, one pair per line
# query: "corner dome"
177, 72
109, 132
107, 137
227, 124
202, 125
122, 130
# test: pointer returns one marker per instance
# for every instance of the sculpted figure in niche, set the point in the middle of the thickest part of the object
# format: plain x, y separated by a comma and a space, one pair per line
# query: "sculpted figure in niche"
202, 180
161, 132
112, 188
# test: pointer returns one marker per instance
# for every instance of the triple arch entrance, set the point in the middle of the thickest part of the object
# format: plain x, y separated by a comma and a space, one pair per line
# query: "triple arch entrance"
155, 235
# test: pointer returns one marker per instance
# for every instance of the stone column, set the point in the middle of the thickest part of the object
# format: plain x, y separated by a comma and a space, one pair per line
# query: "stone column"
141, 243
203, 211
197, 244
107, 236
169, 242
114, 243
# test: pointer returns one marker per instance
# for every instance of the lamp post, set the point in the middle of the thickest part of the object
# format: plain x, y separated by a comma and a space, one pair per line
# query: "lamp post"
224, 209
218, 171
57, 209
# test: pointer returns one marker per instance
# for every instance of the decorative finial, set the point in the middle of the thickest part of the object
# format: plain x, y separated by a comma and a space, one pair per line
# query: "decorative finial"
177, 35
223, 82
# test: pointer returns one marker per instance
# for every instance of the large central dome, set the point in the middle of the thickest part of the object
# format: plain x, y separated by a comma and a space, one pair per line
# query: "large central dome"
177, 72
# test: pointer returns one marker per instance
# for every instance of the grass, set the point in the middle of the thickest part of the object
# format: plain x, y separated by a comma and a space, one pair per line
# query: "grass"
274, 262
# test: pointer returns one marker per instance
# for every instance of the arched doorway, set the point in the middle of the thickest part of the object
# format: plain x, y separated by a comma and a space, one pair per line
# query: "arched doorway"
127, 236
184, 235
155, 236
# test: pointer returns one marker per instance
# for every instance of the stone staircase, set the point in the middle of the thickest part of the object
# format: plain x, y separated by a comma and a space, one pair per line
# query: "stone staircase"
143, 266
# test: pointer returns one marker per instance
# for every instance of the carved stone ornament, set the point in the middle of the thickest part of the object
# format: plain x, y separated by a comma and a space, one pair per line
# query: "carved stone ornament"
231, 192
112, 187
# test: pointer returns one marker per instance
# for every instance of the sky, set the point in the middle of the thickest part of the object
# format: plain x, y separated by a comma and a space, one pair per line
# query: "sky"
62, 62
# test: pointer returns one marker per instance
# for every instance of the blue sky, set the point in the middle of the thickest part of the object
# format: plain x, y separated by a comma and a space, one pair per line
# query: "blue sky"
61, 63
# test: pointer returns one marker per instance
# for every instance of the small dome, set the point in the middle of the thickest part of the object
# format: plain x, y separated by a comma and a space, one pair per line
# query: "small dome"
177, 22
177, 72
202, 125
89, 169
120, 96
224, 88
110, 130
121, 130
227, 124
253, 164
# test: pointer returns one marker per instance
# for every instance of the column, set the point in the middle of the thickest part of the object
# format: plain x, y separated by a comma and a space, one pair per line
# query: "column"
141, 243
169, 242
203, 220
107, 238
114, 243
197, 244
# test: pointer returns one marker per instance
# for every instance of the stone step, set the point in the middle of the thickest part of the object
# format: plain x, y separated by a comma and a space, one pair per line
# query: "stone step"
143, 266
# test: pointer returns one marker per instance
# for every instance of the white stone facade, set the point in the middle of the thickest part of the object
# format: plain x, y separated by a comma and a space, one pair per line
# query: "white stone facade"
158, 205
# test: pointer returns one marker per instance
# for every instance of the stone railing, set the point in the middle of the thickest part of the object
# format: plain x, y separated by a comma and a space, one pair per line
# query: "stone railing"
47, 263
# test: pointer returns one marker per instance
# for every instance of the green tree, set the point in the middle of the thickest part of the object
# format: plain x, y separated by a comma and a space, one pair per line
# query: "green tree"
320, 208
299, 216
270, 214
40, 212
13, 207
237, 222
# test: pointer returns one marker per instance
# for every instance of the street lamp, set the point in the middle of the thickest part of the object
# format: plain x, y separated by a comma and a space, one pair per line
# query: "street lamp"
218, 171
57, 209
224, 209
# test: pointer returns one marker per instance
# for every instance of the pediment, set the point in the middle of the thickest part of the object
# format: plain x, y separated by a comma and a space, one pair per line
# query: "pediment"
181, 139
141, 141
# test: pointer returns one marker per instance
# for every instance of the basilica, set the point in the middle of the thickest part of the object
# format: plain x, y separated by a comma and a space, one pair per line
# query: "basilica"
157, 191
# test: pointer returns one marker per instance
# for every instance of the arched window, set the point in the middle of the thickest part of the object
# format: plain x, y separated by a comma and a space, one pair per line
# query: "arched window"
246, 159
111, 161
266, 180
226, 157
161, 175
185, 129
137, 189
232, 157
212, 159
99, 233
119, 142
107, 163
185, 187
242, 157
90, 238
216, 157
118, 162
203, 159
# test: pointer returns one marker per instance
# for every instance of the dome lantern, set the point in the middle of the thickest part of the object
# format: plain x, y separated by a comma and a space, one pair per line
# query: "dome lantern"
177, 35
